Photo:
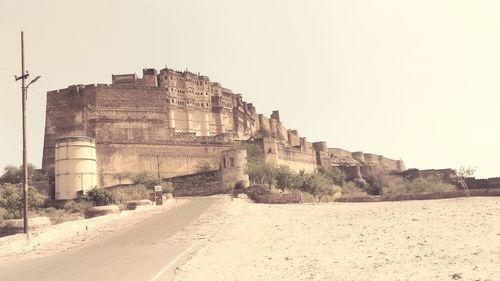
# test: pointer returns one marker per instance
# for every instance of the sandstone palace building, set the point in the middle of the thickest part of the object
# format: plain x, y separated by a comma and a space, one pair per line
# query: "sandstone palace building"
169, 122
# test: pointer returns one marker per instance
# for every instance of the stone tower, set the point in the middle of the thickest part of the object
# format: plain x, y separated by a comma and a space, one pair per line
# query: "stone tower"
233, 166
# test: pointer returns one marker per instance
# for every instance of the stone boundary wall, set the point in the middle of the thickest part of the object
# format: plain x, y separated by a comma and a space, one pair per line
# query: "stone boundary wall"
443, 175
422, 196
172, 159
473, 183
199, 184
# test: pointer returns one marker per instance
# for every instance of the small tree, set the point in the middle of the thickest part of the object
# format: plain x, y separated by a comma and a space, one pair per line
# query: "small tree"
466, 172
376, 179
261, 172
14, 175
319, 186
285, 177
334, 173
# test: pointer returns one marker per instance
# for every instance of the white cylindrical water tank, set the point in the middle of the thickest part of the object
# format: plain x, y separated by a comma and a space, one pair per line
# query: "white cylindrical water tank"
75, 167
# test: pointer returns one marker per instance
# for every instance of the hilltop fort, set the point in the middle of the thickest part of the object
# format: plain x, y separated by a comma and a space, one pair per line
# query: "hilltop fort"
167, 122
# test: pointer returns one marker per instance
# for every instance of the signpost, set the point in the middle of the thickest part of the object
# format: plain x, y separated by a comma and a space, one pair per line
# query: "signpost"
158, 195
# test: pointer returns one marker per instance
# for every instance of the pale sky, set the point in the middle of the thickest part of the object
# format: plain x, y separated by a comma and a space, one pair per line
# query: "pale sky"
417, 80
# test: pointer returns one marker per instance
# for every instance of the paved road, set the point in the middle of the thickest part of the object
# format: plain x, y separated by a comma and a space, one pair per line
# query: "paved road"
135, 253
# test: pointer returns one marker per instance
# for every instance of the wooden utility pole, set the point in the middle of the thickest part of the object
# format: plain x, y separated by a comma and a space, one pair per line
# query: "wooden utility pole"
25, 149
24, 96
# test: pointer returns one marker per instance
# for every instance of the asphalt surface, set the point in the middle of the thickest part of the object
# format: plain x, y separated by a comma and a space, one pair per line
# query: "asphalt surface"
135, 253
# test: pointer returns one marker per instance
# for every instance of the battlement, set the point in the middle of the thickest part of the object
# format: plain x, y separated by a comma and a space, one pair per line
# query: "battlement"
474, 183
77, 88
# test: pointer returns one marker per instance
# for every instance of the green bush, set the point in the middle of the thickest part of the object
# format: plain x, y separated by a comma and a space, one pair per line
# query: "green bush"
11, 199
100, 197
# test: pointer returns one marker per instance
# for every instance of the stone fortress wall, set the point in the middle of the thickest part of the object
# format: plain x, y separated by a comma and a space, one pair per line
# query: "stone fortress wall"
168, 122
488, 183
232, 170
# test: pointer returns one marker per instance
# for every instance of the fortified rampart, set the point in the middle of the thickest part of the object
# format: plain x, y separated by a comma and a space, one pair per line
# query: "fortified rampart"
169, 121
444, 175
118, 160
232, 170
473, 183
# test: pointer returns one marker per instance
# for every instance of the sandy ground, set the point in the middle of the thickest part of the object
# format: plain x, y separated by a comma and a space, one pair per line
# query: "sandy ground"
453, 239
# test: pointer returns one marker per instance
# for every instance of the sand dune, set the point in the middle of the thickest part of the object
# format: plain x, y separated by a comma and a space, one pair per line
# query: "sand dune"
453, 239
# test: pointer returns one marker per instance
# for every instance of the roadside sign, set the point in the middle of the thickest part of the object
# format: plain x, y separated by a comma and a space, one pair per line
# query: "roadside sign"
157, 188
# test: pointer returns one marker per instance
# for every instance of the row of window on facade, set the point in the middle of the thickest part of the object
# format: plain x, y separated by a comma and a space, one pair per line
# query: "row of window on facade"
187, 79
213, 90
202, 104
171, 89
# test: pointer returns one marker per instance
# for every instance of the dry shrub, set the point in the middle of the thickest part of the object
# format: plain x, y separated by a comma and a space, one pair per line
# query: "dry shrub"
350, 190
100, 197
133, 192
308, 197
262, 194
58, 215
2, 213
78, 206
